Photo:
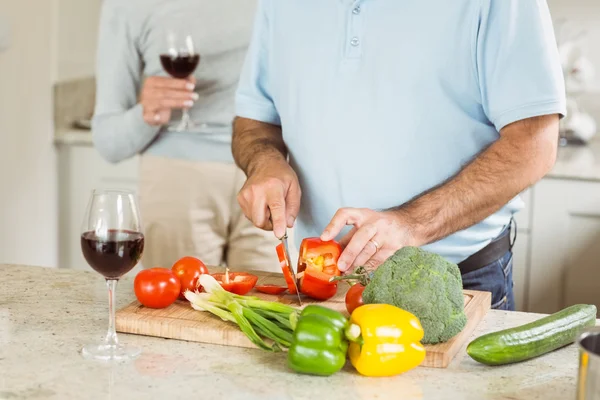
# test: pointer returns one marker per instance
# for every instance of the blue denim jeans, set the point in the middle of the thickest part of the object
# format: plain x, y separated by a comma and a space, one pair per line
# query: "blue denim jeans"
497, 278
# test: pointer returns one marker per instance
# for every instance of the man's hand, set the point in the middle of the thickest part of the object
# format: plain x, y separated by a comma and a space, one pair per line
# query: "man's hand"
162, 94
373, 239
270, 198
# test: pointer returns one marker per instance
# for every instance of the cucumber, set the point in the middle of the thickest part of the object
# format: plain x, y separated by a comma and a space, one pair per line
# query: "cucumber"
533, 339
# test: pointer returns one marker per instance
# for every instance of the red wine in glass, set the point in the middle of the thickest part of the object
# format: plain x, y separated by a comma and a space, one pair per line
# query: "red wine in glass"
113, 254
180, 60
112, 243
180, 66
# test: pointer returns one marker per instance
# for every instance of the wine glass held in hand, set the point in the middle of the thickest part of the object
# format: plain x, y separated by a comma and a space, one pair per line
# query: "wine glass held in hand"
112, 243
180, 61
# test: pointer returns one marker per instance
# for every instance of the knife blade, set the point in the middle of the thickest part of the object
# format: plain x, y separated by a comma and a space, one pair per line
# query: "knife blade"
289, 265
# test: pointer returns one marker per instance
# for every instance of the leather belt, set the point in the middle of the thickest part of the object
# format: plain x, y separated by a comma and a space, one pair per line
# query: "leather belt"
490, 253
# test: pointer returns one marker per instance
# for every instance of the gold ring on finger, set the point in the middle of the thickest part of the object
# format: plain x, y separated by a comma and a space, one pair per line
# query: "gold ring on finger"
377, 247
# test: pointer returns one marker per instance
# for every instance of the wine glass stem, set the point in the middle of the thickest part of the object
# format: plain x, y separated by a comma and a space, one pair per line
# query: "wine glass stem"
111, 335
185, 118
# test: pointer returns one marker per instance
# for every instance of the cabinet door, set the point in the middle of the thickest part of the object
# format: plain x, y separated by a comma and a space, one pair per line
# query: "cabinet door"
521, 269
565, 251
81, 170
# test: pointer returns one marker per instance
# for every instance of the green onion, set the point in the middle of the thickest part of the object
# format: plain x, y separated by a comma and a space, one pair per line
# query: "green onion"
258, 319
270, 329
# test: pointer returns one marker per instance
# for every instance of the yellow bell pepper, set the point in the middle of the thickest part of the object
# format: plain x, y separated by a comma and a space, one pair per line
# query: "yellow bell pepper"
385, 340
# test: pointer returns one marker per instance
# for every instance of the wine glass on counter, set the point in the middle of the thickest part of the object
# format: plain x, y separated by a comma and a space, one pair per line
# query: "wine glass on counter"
180, 60
112, 243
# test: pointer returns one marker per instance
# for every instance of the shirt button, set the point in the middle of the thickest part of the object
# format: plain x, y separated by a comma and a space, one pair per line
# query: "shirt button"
355, 42
356, 10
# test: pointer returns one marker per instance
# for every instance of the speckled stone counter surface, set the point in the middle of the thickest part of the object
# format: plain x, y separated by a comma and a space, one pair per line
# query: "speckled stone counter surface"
578, 162
46, 315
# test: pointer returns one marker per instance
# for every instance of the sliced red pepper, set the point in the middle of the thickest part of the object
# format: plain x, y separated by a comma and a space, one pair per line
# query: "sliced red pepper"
271, 289
236, 282
316, 285
319, 254
316, 265
284, 262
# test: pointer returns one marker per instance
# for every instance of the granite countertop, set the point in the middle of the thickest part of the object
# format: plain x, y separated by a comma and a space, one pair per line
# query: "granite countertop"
578, 162
46, 315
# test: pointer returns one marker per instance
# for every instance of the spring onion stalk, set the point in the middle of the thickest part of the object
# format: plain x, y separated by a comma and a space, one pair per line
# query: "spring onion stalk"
256, 318
200, 304
294, 320
238, 312
269, 329
269, 305
282, 320
283, 336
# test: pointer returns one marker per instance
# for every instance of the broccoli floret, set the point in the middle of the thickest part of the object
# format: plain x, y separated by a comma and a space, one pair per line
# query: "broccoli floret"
424, 284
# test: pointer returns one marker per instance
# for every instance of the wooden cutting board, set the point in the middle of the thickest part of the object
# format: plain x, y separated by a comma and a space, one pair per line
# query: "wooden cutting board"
180, 321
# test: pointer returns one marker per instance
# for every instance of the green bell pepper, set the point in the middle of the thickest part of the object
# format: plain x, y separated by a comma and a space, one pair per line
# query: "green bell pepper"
319, 344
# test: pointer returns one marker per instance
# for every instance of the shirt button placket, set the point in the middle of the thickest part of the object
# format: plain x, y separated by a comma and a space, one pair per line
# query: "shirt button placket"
354, 47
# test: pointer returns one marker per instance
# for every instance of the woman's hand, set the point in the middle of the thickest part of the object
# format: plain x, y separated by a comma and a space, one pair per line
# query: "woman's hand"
162, 94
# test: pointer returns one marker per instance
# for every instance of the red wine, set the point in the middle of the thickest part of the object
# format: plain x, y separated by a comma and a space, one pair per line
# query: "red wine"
180, 66
114, 253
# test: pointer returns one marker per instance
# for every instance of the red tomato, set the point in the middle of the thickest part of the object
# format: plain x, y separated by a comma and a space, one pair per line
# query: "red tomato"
271, 289
236, 282
354, 297
188, 270
156, 287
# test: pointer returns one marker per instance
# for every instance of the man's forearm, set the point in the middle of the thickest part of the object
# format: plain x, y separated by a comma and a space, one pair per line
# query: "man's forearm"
523, 154
255, 143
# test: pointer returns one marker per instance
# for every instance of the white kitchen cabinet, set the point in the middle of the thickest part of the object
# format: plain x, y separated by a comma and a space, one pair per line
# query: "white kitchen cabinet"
523, 217
521, 269
521, 251
81, 170
565, 245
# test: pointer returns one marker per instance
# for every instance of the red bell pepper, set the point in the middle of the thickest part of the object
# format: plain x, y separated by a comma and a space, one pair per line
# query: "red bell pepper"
316, 265
284, 262
236, 282
316, 285
320, 255
270, 289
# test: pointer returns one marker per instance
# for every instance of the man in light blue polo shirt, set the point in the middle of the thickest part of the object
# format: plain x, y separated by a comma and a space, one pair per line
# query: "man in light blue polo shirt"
415, 122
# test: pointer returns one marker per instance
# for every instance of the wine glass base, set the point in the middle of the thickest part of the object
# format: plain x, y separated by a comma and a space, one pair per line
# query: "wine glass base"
105, 352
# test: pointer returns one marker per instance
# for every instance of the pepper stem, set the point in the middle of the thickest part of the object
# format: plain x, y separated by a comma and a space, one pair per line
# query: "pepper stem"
226, 275
359, 275
353, 333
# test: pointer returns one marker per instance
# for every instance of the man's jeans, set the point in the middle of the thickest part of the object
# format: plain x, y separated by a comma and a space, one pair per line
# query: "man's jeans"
497, 278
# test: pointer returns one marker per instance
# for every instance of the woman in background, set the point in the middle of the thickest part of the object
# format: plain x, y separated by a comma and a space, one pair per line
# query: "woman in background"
188, 181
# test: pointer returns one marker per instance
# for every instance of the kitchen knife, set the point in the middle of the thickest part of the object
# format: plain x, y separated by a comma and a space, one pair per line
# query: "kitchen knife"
288, 260
289, 264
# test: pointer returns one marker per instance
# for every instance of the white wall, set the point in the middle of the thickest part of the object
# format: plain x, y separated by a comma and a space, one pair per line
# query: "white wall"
28, 177
77, 32
584, 14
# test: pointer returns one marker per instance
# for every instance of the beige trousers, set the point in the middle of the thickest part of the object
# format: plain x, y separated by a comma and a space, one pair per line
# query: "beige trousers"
190, 208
